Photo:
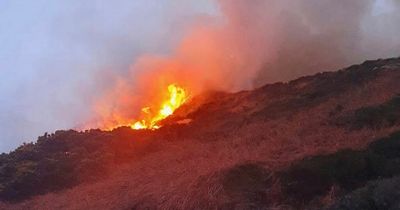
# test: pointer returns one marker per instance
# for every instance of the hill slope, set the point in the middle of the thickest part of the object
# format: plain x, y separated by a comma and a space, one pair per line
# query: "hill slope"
275, 146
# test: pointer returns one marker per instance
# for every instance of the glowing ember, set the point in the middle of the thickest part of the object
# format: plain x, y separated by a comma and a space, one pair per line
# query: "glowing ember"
176, 97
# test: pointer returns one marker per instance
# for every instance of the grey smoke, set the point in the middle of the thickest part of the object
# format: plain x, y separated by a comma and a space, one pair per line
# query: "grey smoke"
294, 38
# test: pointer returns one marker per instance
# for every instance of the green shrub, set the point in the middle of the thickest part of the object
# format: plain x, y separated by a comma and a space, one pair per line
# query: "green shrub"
381, 194
347, 169
61, 160
384, 115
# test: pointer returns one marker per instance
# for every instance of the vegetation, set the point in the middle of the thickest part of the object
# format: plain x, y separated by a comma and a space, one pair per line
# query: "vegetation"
345, 170
384, 115
381, 194
62, 160
247, 184
247, 150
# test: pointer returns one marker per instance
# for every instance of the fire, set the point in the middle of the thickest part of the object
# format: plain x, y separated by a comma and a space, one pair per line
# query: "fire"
176, 97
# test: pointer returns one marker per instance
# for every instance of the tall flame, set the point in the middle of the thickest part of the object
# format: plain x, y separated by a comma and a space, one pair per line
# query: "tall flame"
176, 97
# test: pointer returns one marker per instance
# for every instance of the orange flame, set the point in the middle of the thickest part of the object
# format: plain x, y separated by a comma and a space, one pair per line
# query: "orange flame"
176, 97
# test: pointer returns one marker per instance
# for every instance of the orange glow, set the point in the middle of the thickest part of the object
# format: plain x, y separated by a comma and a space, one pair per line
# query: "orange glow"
175, 98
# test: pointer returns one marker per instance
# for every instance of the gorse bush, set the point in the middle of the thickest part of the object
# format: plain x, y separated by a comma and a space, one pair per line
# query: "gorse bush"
346, 169
384, 115
62, 160
381, 194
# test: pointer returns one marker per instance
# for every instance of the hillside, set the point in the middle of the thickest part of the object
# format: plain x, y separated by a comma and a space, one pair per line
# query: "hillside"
330, 140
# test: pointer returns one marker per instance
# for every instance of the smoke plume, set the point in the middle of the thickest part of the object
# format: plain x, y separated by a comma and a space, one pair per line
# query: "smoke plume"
258, 41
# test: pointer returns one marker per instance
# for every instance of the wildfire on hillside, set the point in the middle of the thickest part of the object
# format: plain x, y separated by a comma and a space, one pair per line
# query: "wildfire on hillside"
175, 98
162, 103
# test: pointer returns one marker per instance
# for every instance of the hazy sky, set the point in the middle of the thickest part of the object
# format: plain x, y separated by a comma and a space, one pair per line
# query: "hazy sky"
56, 57
53, 51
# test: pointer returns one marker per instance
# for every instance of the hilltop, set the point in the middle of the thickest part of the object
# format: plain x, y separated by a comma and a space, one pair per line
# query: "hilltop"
329, 140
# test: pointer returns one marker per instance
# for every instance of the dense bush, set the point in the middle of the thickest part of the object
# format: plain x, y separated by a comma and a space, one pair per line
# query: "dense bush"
347, 170
384, 115
64, 159
381, 194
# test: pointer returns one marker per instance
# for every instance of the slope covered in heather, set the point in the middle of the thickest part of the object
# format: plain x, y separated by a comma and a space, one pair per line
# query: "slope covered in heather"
274, 146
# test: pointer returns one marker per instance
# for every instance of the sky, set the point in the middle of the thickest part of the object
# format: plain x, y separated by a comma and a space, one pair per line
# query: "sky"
53, 51
58, 57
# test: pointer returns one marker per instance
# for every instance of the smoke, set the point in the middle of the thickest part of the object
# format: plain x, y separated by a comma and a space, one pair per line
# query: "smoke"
327, 35
258, 41
58, 57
